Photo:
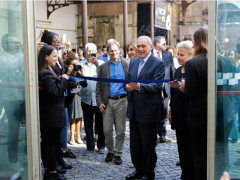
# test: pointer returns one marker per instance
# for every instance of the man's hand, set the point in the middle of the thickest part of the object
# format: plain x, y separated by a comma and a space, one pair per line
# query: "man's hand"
80, 72
132, 86
102, 108
94, 60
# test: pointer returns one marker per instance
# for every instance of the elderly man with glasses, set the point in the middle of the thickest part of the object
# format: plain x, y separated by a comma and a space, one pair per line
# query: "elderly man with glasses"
89, 103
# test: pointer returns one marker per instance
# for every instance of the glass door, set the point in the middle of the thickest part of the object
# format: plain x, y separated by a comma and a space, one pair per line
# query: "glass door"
227, 144
13, 143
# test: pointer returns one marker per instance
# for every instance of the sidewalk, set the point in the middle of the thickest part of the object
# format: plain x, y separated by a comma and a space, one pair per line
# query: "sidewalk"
94, 167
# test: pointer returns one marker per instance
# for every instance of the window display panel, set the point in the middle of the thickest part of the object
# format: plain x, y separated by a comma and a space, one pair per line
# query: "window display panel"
13, 145
227, 147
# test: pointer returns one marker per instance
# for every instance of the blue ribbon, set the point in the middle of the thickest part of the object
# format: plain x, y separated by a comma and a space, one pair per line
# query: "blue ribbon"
82, 78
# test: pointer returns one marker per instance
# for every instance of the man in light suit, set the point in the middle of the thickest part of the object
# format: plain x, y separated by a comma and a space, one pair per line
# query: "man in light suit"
144, 109
159, 52
112, 101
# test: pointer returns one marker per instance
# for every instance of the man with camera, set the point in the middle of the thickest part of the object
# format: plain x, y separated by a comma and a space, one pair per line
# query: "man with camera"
112, 101
88, 102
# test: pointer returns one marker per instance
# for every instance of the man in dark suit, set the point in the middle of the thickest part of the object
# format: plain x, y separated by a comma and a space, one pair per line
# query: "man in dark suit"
105, 57
112, 101
144, 109
166, 57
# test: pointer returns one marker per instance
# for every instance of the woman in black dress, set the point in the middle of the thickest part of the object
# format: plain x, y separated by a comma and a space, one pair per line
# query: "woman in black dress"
196, 88
51, 104
178, 111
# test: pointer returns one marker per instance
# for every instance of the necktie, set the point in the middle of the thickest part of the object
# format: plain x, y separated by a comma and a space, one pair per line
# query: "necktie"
140, 66
159, 55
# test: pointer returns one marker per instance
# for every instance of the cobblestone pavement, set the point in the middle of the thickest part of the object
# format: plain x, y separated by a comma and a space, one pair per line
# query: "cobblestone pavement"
94, 167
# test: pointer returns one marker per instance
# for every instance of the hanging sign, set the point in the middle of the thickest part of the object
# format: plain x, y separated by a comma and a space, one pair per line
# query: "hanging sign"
162, 14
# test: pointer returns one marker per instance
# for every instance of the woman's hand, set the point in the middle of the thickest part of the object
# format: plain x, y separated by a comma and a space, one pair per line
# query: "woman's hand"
39, 46
174, 84
70, 70
40, 35
78, 93
169, 117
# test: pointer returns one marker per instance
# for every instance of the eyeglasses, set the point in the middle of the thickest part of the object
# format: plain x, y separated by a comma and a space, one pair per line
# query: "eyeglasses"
13, 42
57, 42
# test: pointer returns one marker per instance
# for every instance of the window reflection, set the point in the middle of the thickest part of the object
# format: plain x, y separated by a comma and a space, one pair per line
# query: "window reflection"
13, 147
228, 91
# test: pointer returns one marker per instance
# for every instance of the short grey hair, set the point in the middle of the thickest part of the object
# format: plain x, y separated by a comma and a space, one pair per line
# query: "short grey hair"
188, 45
109, 40
112, 42
90, 44
157, 39
145, 37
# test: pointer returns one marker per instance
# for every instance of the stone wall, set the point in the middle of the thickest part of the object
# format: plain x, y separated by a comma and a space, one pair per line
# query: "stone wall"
105, 20
186, 22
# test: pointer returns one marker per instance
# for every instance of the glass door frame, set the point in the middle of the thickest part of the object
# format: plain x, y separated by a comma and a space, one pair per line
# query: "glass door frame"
211, 89
31, 90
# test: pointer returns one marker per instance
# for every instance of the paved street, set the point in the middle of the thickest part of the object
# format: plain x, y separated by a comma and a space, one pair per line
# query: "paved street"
94, 167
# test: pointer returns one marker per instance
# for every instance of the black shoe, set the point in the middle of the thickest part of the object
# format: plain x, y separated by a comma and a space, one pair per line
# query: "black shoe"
60, 170
109, 157
134, 175
64, 165
69, 154
178, 163
118, 160
162, 139
53, 176
148, 177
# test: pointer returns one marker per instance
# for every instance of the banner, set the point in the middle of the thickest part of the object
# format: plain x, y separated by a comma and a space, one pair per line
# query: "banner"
162, 14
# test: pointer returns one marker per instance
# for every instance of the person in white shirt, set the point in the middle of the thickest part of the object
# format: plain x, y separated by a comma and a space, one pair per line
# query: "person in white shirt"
88, 102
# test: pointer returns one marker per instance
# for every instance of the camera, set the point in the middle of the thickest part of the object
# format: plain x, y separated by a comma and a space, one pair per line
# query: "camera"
93, 55
77, 67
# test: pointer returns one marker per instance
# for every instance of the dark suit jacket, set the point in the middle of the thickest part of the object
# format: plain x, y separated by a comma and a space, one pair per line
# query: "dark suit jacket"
179, 106
145, 104
102, 90
51, 100
169, 70
59, 70
103, 57
196, 87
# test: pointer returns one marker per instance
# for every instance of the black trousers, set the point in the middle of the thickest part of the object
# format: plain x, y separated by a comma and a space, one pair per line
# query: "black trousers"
143, 138
185, 154
50, 147
88, 112
199, 147
161, 130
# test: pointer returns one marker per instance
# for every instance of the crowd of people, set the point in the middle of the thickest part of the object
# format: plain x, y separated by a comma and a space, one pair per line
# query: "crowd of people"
65, 103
